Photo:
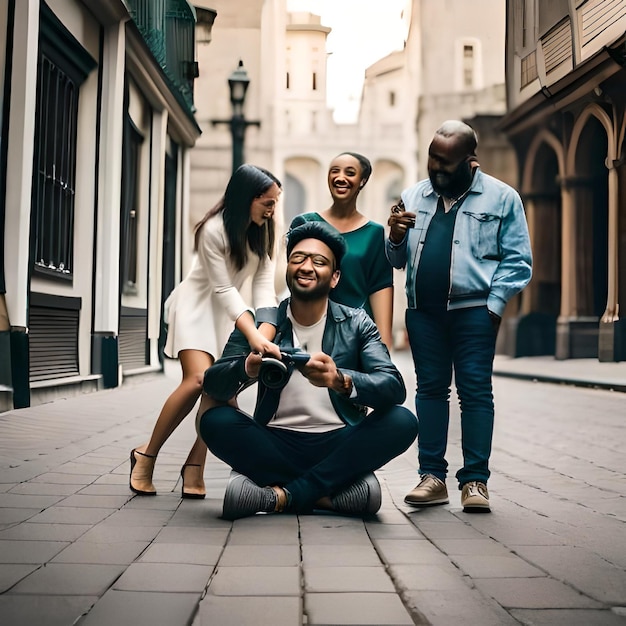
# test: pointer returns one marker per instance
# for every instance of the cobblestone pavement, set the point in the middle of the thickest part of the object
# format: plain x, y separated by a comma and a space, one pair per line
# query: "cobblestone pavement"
76, 547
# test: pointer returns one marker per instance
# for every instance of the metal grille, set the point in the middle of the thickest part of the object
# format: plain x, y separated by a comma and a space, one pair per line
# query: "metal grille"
133, 338
168, 27
53, 343
54, 170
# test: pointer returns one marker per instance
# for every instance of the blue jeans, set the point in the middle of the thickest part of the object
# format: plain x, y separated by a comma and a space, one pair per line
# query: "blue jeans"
462, 340
308, 465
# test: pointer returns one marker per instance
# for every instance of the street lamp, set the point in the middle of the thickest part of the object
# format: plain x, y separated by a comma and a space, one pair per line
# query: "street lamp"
238, 83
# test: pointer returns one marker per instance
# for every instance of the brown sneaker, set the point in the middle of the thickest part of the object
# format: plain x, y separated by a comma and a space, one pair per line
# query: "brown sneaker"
430, 491
475, 497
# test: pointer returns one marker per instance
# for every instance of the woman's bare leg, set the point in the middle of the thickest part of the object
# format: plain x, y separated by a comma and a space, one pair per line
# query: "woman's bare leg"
181, 401
179, 404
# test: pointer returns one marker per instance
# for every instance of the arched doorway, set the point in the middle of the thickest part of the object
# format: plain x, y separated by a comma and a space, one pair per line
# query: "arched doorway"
536, 332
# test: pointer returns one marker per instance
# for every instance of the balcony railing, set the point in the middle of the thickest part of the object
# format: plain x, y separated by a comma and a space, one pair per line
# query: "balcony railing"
168, 27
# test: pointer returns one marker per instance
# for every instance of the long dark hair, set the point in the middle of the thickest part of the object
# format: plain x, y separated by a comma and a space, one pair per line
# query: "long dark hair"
247, 183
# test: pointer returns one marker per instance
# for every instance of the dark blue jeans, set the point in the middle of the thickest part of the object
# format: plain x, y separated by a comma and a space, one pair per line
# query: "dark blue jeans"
463, 341
308, 465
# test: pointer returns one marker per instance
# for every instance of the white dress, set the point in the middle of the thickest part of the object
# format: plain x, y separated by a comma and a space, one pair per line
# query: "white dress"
202, 309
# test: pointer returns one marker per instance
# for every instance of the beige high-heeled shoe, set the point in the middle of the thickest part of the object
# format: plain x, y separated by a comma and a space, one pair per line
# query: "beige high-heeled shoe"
195, 472
141, 470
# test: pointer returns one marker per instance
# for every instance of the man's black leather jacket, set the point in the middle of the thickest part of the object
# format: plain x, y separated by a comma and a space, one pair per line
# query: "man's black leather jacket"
350, 338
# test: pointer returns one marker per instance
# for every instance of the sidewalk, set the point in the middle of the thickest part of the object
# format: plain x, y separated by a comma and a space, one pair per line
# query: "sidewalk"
76, 547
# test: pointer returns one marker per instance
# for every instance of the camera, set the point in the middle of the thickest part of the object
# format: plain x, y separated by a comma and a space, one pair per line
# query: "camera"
275, 374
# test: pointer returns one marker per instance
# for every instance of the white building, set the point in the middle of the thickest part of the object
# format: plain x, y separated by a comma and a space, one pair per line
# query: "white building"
97, 124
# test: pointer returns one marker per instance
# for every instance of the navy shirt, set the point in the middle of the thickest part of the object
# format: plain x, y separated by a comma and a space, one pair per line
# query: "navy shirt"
432, 283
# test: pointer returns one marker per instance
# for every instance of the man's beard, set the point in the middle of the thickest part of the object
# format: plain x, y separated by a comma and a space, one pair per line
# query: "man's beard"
321, 290
454, 184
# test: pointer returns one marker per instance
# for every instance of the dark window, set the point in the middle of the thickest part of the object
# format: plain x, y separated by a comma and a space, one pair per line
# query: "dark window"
287, 81
130, 205
392, 98
314, 81
62, 67
55, 169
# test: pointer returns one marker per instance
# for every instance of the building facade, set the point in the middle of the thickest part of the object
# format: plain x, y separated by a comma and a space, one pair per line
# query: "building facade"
566, 92
97, 119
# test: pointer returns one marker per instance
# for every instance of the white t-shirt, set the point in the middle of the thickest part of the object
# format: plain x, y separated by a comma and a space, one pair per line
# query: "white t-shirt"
303, 406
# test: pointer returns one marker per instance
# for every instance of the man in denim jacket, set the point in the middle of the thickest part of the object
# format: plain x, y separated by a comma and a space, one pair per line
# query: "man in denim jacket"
463, 239
311, 444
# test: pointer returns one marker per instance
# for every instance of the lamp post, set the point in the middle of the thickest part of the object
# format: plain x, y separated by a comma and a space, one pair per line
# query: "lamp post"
238, 83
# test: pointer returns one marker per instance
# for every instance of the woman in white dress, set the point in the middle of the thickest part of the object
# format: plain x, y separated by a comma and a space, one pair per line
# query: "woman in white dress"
234, 242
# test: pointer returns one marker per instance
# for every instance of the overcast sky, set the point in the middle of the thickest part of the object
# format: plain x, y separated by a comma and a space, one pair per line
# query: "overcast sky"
363, 31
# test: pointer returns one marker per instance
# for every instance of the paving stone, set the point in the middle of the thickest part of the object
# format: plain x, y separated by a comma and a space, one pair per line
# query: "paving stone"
198, 514
509, 566
248, 611
44, 532
8, 517
71, 515
11, 573
184, 534
138, 517
103, 533
262, 555
362, 609
121, 553
82, 468
347, 579
69, 580
101, 501
568, 617
131, 608
166, 502
337, 555
43, 610
182, 553
448, 530
16, 500
45, 489
478, 547
63, 478
582, 569
427, 578
409, 552
264, 533
393, 531
256, 581
336, 535
167, 577
112, 479
534, 593
468, 606
29, 551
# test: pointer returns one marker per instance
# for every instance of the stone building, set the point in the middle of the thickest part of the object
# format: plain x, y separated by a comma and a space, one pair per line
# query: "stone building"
566, 94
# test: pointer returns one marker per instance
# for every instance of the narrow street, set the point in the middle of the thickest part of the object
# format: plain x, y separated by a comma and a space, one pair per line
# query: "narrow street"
74, 541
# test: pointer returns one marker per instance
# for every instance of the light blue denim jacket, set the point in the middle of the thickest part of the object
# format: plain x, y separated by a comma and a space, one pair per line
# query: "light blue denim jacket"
491, 257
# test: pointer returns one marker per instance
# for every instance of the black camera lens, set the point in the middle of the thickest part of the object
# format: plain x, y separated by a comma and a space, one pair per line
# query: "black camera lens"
274, 373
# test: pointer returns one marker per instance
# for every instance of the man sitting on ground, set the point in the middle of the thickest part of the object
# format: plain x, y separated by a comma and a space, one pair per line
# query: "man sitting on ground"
312, 444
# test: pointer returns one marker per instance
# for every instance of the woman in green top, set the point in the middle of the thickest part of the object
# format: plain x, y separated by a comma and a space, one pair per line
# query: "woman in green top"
366, 275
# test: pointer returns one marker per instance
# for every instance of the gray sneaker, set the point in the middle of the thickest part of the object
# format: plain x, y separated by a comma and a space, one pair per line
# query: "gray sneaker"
360, 498
244, 497
428, 492
475, 497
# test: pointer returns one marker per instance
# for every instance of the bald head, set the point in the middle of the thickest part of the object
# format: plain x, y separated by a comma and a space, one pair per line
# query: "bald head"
464, 135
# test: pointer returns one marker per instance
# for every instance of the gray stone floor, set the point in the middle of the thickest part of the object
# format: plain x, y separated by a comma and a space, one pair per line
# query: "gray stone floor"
76, 547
